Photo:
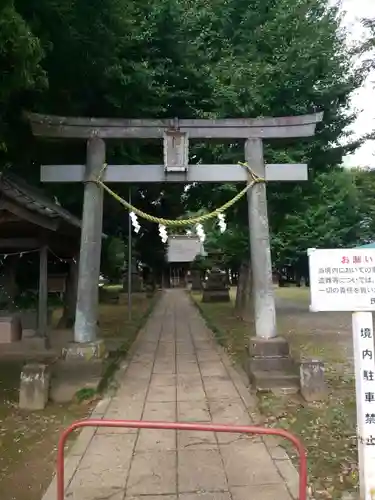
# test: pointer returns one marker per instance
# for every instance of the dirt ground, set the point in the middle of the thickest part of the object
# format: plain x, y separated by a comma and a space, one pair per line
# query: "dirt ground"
327, 428
28, 440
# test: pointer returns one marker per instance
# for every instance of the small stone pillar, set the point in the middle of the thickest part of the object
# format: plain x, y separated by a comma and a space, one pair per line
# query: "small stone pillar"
10, 329
313, 386
136, 281
34, 387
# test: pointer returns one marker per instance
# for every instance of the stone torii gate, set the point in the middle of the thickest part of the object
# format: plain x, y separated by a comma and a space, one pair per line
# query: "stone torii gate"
176, 168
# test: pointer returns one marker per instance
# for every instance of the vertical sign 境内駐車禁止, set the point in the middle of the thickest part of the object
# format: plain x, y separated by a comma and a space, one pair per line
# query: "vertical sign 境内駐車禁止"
363, 341
344, 280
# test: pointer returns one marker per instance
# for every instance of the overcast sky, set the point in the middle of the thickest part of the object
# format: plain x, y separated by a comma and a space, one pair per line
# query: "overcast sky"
364, 98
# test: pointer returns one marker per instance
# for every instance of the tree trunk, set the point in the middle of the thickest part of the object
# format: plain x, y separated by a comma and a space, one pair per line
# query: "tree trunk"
70, 296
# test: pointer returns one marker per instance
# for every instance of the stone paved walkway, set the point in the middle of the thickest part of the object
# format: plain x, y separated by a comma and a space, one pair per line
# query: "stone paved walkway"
176, 372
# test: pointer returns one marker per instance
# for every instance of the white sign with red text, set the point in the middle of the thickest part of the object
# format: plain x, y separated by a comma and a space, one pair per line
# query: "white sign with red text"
342, 279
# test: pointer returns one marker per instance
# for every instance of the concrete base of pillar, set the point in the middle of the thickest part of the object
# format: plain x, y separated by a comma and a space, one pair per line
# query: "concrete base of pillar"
70, 377
33, 341
34, 387
81, 367
270, 366
84, 352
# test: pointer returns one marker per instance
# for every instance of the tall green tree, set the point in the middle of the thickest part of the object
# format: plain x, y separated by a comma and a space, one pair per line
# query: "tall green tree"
365, 183
20, 57
286, 58
157, 58
368, 49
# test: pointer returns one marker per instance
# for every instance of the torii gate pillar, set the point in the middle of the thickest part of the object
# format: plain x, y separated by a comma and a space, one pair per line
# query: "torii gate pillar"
85, 327
260, 251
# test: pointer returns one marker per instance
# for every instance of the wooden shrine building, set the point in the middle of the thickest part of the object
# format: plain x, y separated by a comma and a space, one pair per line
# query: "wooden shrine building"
31, 223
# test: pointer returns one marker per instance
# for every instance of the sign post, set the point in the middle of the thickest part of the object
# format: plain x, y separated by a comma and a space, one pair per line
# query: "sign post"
344, 280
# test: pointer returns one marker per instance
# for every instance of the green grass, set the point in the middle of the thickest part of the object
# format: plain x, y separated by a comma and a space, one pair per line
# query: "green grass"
327, 428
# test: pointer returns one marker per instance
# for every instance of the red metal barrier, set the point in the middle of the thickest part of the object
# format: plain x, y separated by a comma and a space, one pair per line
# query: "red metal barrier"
181, 426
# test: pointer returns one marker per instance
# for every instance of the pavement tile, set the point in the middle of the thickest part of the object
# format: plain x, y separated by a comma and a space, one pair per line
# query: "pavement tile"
160, 393
190, 440
96, 493
203, 344
104, 464
146, 358
193, 392
206, 495
156, 439
80, 445
152, 497
160, 411
146, 346
153, 473
289, 474
185, 348
260, 492
189, 379
208, 356
193, 411
188, 368
118, 448
138, 373
200, 470
124, 409
248, 463
230, 411
183, 359
219, 387
163, 380
133, 390
212, 368
165, 368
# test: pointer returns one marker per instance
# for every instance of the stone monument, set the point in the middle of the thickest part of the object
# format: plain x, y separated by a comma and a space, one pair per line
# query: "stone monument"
136, 281
216, 288
196, 280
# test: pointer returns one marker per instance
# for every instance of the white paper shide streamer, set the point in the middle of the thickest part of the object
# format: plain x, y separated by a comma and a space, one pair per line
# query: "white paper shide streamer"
221, 222
135, 222
200, 232
163, 233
